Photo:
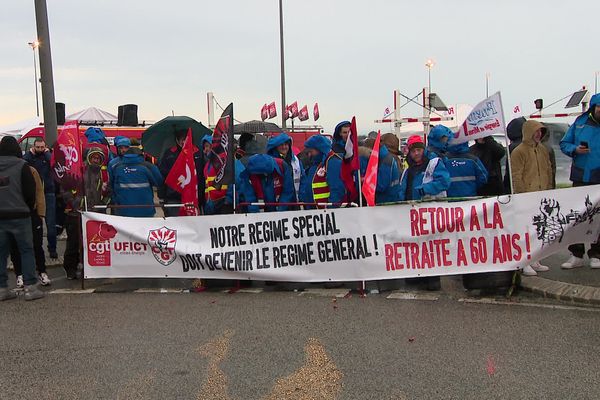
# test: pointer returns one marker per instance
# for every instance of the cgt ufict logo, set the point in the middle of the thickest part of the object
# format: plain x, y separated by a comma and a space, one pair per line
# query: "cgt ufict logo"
99, 234
162, 242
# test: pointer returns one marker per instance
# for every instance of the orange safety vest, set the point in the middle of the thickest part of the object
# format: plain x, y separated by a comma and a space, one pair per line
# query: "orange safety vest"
211, 193
320, 188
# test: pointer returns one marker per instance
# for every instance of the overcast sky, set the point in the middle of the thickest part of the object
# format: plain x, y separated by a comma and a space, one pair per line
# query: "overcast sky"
347, 55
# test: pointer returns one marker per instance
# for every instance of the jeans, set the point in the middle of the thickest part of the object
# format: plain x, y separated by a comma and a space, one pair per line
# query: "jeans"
38, 249
51, 221
20, 230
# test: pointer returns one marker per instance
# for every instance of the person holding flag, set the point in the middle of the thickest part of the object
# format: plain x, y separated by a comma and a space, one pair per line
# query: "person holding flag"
381, 175
340, 138
323, 182
183, 178
220, 171
167, 161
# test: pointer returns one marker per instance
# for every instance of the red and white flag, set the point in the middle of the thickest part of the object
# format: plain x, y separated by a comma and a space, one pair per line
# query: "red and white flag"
67, 157
294, 109
316, 111
264, 112
286, 112
303, 116
370, 183
272, 110
351, 162
183, 179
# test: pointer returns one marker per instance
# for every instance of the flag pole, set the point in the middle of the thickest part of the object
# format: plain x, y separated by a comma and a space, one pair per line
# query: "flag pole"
506, 141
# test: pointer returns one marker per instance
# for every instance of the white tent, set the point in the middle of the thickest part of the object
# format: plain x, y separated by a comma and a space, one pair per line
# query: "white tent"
92, 114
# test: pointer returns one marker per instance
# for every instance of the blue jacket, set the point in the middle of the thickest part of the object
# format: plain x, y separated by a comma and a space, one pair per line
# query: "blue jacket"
585, 167
42, 165
333, 167
435, 144
411, 183
339, 144
388, 176
131, 181
268, 171
467, 173
122, 141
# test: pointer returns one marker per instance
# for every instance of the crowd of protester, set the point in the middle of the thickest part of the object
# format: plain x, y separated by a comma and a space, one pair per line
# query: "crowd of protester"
270, 177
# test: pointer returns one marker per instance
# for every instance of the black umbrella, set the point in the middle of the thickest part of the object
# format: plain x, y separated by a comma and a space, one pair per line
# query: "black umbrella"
161, 135
255, 127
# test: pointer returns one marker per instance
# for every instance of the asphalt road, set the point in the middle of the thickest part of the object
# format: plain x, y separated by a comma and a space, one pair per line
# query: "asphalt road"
286, 345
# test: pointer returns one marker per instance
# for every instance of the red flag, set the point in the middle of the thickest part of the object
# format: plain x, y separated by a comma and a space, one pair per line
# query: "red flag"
67, 160
370, 183
183, 179
294, 109
222, 148
303, 116
316, 111
272, 110
286, 112
264, 112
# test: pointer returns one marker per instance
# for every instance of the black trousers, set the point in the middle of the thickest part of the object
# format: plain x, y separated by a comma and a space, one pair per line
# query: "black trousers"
38, 249
73, 247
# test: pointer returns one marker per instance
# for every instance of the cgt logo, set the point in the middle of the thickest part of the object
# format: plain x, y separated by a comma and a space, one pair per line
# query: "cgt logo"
162, 242
98, 236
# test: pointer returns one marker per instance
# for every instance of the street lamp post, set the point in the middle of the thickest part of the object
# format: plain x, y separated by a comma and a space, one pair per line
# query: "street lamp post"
282, 65
426, 98
429, 64
34, 45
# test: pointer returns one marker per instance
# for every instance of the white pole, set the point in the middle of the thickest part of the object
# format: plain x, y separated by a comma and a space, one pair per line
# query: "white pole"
397, 123
211, 109
507, 142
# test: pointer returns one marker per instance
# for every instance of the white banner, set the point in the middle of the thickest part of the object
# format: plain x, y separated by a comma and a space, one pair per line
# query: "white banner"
486, 119
372, 243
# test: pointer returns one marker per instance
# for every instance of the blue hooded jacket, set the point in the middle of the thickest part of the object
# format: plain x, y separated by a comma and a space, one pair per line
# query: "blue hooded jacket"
388, 176
122, 141
585, 167
131, 181
435, 145
291, 159
265, 166
339, 144
95, 135
411, 183
206, 139
467, 172
337, 190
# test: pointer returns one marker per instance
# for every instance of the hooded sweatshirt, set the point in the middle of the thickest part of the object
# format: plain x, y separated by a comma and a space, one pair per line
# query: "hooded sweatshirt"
585, 168
530, 162
290, 157
435, 144
339, 144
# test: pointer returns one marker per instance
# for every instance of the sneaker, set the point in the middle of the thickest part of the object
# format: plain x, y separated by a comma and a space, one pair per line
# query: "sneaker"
54, 255
573, 262
19, 281
44, 279
528, 271
537, 267
33, 292
594, 262
7, 294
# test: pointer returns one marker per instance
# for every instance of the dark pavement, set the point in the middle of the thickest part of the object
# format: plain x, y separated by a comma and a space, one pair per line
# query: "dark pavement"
286, 345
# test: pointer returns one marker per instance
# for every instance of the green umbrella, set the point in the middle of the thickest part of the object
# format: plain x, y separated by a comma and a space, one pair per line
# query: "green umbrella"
161, 135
